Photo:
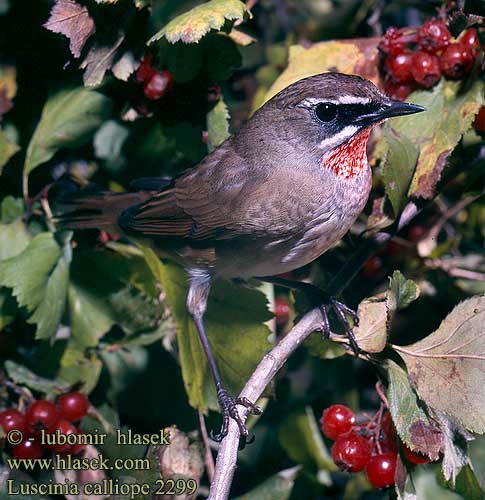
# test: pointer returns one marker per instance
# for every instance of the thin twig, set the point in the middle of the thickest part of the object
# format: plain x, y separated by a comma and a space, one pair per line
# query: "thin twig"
262, 376
455, 271
208, 458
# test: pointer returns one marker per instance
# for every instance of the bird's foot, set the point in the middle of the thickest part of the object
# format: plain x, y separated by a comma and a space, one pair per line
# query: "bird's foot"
228, 406
341, 310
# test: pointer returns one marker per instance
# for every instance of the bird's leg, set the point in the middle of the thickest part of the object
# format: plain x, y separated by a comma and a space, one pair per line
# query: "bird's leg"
196, 303
325, 302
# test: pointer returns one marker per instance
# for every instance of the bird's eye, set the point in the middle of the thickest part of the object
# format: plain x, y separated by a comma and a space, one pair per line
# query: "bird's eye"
326, 111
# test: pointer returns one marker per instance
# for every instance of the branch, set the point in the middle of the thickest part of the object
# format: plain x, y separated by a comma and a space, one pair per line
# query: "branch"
262, 376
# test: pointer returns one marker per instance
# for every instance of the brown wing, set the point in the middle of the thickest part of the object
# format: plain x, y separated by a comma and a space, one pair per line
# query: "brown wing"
202, 204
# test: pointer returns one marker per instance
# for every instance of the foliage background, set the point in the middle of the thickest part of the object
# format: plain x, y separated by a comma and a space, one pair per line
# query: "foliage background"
85, 312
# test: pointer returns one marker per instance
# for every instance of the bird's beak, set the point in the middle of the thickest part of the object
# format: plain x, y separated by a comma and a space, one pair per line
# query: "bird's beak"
390, 109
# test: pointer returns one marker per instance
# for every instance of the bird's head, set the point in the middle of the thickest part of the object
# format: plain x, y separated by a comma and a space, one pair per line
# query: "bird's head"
334, 114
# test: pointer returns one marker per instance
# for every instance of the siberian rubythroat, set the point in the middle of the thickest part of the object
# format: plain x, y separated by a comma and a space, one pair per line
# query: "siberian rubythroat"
273, 197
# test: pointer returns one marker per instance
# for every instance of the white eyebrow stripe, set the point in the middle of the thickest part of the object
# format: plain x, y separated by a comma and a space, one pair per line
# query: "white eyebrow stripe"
336, 139
345, 99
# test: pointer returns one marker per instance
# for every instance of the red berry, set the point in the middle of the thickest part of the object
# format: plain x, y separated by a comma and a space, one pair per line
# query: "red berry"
388, 436
396, 40
381, 470
415, 233
145, 71
469, 39
12, 419
337, 420
27, 449
351, 453
64, 427
41, 414
399, 91
158, 84
414, 457
78, 447
426, 69
479, 122
457, 60
73, 406
399, 67
372, 267
282, 310
433, 36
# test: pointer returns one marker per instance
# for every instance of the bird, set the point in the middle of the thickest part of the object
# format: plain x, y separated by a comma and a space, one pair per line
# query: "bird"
273, 197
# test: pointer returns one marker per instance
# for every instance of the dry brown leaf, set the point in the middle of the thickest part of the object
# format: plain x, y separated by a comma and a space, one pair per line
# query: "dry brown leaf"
69, 18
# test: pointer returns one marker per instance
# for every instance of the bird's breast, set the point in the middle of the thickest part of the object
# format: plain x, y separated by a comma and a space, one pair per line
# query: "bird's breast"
331, 221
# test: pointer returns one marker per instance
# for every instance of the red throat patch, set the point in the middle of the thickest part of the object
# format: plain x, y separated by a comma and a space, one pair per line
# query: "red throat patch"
350, 158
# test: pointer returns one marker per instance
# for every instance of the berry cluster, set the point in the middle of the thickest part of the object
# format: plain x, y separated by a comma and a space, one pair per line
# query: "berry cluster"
419, 57
155, 83
45, 415
372, 446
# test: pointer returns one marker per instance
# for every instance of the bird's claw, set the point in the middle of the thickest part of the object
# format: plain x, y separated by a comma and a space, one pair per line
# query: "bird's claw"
229, 410
341, 310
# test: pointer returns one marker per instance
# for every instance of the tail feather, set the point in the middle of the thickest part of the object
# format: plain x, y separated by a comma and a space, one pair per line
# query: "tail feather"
88, 209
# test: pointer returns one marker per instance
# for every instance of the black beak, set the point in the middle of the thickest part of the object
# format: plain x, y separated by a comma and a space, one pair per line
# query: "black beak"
390, 109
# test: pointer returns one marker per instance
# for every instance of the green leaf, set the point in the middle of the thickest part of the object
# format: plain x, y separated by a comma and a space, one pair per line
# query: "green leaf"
14, 239
27, 273
108, 142
477, 456
11, 209
124, 366
8, 308
23, 376
90, 317
371, 332
68, 119
234, 325
428, 488
79, 367
191, 26
449, 114
38, 277
412, 424
277, 487
109, 288
301, 438
323, 348
398, 169
221, 56
468, 485
401, 291
448, 367
184, 61
48, 313
217, 125
7, 150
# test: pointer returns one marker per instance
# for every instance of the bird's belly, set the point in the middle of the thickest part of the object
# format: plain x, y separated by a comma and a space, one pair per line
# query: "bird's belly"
267, 258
